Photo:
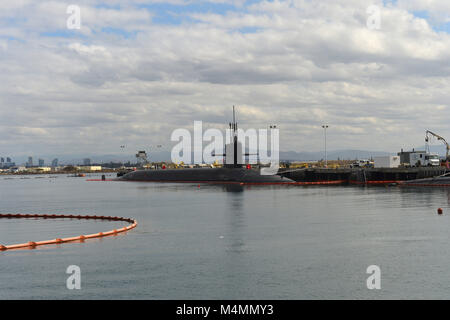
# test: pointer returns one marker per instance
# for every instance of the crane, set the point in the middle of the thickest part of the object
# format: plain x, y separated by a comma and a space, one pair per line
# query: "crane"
427, 139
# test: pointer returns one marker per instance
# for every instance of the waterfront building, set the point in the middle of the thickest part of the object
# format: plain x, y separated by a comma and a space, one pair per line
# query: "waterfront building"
38, 169
6, 165
91, 168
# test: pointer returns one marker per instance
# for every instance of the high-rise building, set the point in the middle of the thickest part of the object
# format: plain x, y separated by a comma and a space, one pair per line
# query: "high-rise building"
30, 162
55, 162
7, 164
41, 162
87, 162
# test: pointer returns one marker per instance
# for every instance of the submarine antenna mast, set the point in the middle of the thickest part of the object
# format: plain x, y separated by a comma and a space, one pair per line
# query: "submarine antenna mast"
234, 116
234, 122
235, 142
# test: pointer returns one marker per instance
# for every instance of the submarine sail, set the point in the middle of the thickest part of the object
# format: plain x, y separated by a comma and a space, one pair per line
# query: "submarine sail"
233, 170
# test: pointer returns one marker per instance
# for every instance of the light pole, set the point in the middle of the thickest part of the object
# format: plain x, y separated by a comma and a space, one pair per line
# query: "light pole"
271, 127
325, 127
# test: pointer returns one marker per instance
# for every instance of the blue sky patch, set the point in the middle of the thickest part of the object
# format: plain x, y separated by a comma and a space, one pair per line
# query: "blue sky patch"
176, 14
63, 34
121, 32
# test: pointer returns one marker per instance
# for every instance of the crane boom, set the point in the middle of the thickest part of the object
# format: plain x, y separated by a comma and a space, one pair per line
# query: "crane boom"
441, 139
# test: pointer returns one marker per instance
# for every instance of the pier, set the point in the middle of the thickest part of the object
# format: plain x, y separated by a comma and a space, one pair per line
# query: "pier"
362, 175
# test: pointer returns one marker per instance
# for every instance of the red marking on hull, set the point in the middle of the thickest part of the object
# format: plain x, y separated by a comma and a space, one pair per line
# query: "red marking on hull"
336, 182
301, 183
210, 182
375, 182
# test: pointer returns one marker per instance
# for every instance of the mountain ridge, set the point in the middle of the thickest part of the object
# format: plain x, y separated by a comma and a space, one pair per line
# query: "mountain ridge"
344, 154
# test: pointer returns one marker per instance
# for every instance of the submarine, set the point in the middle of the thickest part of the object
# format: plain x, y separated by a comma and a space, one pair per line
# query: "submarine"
231, 173
439, 181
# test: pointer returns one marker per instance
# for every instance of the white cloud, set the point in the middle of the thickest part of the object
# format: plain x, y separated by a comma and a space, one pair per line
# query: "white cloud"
301, 64
438, 10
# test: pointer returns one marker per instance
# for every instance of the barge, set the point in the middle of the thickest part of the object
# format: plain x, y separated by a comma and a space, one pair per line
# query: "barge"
363, 175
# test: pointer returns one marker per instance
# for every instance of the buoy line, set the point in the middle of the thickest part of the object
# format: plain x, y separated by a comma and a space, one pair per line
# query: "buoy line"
33, 244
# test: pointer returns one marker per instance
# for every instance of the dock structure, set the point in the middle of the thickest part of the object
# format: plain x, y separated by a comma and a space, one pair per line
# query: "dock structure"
362, 175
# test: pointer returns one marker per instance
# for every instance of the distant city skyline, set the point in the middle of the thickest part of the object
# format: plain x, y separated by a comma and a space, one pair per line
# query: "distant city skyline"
57, 160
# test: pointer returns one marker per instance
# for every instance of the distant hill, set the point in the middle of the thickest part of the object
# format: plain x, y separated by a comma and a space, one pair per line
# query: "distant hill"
347, 154
332, 155
166, 156
350, 154
439, 149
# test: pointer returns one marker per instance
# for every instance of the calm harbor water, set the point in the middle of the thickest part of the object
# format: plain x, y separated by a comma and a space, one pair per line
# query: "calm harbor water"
210, 242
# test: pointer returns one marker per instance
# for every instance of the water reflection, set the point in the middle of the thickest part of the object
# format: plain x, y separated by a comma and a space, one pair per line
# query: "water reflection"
168, 186
232, 241
233, 188
426, 197
236, 220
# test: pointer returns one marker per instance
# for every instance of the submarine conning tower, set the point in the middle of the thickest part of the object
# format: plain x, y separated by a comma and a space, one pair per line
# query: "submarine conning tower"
232, 171
233, 156
233, 150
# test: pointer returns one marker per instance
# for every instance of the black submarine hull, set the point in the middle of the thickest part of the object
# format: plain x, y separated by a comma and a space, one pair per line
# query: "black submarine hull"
440, 181
206, 175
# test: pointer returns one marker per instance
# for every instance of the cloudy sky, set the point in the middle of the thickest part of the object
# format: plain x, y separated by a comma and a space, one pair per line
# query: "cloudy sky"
137, 70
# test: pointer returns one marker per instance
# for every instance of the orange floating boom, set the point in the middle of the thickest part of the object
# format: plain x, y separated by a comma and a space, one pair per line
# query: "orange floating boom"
32, 244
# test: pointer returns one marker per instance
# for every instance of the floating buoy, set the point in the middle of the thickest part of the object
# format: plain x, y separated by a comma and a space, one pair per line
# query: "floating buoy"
440, 211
